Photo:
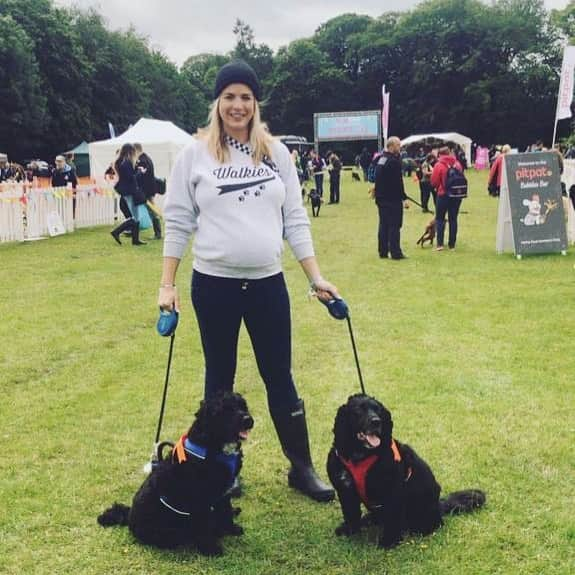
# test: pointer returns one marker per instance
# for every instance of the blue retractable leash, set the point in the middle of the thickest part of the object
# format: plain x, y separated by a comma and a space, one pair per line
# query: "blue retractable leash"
166, 327
339, 310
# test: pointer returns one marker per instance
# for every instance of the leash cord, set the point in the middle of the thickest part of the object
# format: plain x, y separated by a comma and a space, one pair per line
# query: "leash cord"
165, 387
355, 354
418, 204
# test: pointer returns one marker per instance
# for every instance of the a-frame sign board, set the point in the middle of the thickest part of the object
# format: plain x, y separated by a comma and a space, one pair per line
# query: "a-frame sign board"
531, 218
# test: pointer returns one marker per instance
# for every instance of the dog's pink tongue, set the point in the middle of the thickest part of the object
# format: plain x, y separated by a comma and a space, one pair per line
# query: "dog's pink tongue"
243, 434
373, 440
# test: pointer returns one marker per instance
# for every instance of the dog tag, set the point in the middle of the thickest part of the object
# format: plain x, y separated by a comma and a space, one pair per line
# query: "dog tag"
167, 322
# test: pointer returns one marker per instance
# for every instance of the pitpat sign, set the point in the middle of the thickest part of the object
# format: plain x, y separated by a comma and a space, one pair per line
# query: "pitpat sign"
533, 186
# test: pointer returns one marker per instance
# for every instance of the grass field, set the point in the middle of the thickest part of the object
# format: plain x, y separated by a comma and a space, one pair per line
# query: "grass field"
472, 352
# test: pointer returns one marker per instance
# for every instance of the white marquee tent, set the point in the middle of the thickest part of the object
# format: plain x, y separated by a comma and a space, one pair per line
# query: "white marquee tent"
439, 138
160, 140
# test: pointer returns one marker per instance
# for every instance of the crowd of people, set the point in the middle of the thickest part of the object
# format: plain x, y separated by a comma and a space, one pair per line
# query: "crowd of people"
431, 169
61, 174
311, 166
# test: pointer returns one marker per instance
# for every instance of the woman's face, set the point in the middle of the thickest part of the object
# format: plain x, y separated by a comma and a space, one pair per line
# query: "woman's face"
236, 108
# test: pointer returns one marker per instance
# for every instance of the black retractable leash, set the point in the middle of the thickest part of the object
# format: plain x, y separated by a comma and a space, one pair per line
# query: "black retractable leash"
166, 327
339, 310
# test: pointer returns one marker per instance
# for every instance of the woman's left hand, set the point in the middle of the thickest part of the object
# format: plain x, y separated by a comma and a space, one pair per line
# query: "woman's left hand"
325, 290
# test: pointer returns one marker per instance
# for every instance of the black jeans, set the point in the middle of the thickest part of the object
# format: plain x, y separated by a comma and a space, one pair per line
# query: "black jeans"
319, 183
334, 188
390, 221
221, 304
425, 189
124, 208
449, 206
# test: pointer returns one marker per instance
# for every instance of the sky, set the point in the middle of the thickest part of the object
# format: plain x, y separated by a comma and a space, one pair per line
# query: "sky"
183, 28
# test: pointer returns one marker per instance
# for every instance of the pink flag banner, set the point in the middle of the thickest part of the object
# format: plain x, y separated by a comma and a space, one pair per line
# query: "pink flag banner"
565, 96
481, 158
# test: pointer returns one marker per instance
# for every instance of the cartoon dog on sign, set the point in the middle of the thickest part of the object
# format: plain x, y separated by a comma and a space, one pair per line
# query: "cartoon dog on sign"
535, 216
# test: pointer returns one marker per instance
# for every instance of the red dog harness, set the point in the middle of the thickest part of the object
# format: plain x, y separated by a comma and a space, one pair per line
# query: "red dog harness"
359, 470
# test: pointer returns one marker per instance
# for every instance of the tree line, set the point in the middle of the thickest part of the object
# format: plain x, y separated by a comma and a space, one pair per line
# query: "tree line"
489, 71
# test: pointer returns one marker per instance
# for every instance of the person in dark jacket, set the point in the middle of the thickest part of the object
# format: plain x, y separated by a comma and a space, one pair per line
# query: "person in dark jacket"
127, 187
318, 165
445, 204
63, 174
390, 198
364, 161
147, 182
334, 173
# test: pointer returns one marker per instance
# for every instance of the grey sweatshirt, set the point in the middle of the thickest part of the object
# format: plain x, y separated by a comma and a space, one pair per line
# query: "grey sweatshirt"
239, 213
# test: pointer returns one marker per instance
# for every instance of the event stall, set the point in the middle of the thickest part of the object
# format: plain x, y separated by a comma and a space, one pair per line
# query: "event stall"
438, 139
81, 159
160, 140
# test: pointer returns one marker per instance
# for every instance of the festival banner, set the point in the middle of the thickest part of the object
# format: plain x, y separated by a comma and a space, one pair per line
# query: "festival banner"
481, 158
566, 84
384, 113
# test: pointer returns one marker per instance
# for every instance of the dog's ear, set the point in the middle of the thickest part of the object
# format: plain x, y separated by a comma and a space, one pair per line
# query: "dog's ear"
386, 423
342, 431
200, 428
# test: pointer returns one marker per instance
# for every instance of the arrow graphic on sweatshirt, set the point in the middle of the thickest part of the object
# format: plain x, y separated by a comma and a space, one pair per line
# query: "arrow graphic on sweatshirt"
227, 188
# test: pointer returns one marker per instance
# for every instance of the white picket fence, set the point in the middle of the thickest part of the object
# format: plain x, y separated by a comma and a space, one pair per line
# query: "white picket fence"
32, 213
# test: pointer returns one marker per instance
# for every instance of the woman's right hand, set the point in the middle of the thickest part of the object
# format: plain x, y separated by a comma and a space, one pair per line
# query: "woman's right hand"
168, 298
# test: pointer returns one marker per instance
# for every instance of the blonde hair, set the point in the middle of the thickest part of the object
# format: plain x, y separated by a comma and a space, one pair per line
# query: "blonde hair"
260, 139
393, 141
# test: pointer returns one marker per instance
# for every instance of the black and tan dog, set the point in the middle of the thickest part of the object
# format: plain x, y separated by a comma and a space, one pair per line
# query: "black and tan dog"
366, 465
428, 235
185, 501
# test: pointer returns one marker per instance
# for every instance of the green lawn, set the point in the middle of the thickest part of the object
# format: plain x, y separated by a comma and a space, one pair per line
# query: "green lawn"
472, 352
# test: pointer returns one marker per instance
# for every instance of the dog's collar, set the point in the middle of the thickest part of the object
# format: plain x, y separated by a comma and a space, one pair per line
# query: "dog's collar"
185, 447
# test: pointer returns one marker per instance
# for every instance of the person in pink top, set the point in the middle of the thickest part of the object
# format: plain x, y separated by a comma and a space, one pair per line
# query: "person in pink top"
445, 204
494, 180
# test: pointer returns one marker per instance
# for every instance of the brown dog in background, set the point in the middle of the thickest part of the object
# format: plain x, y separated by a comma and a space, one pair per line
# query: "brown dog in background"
428, 235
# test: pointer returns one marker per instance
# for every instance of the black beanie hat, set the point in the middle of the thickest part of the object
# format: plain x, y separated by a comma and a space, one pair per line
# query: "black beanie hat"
237, 72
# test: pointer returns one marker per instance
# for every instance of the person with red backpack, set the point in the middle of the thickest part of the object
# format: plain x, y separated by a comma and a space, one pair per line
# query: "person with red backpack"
449, 181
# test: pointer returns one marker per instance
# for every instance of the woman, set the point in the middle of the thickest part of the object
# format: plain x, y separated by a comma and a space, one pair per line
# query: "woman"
425, 188
334, 173
318, 166
496, 172
245, 187
445, 205
127, 187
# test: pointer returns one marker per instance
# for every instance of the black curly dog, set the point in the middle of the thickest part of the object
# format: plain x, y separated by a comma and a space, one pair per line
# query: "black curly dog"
185, 501
366, 465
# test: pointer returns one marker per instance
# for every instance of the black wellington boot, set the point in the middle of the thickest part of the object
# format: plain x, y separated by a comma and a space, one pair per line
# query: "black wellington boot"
125, 225
157, 228
136, 235
291, 428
